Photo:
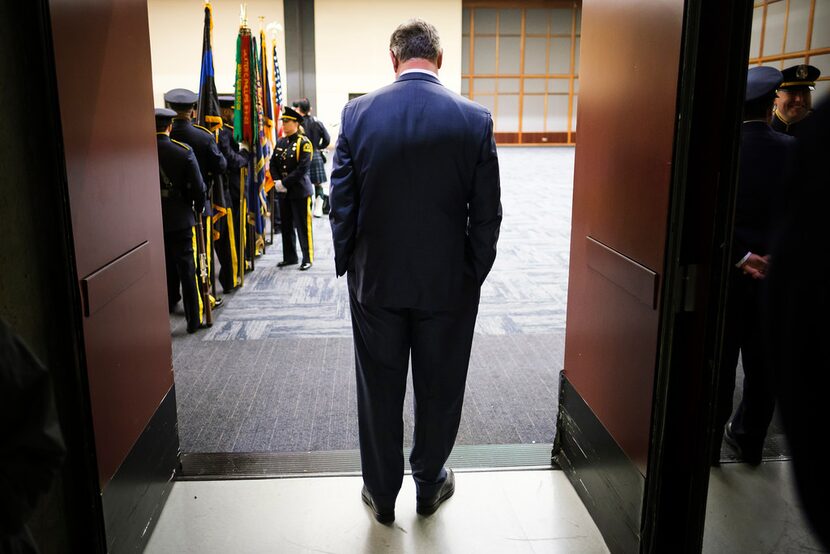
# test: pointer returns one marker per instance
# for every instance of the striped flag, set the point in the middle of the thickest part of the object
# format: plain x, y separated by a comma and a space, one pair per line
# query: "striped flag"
277, 90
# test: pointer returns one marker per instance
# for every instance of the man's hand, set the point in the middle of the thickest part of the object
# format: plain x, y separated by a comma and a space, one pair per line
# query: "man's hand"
244, 146
756, 266
280, 187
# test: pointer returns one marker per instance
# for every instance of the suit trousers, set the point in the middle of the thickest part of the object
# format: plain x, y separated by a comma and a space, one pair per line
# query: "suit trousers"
179, 261
744, 333
295, 216
439, 344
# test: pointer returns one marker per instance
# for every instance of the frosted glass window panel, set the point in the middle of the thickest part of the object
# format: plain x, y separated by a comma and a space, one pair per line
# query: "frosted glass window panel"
534, 86
536, 22
560, 56
797, 24
465, 87
510, 55
465, 21
465, 55
561, 22
557, 113
576, 55
774, 31
533, 114
573, 116
485, 22
488, 102
508, 85
822, 92
576, 86
755, 40
484, 85
510, 22
821, 25
560, 86
822, 63
578, 21
485, 55
507, 114
536, 50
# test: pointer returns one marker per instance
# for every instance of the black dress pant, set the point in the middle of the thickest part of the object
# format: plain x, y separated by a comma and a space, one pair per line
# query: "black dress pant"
744, 333
439, 344
295, 216
180, 263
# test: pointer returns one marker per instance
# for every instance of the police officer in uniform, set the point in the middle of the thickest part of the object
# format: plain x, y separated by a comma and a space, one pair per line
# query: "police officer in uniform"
237, 156
291, 161
764, 170
795, 103
211, 161
182, 188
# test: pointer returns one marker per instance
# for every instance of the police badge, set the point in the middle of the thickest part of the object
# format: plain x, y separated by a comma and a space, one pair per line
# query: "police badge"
801, 72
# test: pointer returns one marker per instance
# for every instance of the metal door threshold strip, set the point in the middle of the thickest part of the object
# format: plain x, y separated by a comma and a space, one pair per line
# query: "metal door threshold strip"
262, 465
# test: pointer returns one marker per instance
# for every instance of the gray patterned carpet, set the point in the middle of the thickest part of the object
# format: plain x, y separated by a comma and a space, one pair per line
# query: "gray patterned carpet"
276, 371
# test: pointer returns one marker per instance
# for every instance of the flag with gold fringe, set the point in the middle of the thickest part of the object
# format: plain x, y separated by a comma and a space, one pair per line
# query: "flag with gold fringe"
277, 90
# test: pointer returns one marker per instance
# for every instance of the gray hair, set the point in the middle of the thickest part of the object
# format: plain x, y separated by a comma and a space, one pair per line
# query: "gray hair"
415, 39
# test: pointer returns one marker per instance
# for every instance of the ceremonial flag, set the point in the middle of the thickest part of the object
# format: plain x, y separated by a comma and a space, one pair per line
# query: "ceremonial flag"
265, 92
207, 108
277, 91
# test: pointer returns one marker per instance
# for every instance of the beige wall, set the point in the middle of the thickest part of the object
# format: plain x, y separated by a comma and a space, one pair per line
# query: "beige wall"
352, 46
176, 41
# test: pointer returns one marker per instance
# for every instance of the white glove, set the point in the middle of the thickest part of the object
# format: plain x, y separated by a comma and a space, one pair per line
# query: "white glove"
280, 187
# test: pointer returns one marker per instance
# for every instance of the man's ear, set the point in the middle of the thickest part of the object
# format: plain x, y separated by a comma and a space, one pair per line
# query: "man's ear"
394, 61
440, 59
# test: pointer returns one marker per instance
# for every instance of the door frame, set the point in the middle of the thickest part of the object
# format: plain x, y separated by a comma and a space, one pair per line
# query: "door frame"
711, 86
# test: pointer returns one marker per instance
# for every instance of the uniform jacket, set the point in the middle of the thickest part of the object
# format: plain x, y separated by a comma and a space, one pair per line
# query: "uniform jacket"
235, 158
211, 161
181, 183
316, 133
792, 129
765, 163
415, 195
290, 163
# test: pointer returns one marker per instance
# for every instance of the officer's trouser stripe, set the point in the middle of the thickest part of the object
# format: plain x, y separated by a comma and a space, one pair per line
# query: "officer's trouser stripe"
232, 240
308, 230
196, 276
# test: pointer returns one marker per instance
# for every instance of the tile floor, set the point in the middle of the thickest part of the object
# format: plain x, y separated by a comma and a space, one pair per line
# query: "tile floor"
491, 512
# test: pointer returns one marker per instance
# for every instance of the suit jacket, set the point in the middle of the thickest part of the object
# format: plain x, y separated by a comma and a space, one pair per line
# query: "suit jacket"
764, 171
415, 195
181, 184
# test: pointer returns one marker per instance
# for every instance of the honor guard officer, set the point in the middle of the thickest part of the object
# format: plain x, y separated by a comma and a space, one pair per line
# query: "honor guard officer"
763, 176
211, 161
794, 103
237, 156
291, 161
182, 188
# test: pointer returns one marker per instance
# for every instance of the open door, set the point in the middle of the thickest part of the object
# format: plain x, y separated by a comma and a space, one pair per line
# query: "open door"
661, 89
95, 59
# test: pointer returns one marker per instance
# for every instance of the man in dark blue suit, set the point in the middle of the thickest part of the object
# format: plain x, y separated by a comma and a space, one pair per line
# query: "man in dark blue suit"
764, 171
415, 216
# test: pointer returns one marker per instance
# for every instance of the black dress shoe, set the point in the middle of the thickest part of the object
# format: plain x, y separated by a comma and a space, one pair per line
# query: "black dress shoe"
427, 506
747, 453
383, 515
305, 266
285, 263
